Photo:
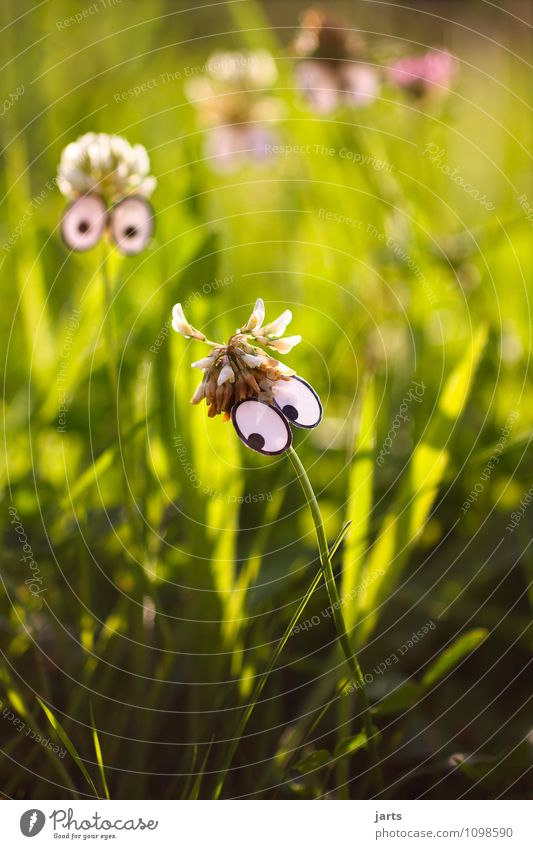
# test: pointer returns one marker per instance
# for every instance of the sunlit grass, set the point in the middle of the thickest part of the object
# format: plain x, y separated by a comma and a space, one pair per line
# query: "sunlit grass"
164, 604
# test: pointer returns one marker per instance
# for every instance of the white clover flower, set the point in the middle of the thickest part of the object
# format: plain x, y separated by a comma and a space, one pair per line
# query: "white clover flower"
240, 380
107, 165
108, 182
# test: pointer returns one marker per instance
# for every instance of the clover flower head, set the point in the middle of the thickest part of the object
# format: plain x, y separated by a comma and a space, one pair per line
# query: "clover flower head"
331, 72
107, 165
107, 181
234, 103
241, 380
426, 73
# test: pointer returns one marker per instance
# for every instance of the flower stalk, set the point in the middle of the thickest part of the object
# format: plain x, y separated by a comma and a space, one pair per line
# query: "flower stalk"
112, 359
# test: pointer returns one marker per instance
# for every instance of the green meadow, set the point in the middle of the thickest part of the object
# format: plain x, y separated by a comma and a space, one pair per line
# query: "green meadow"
165, 631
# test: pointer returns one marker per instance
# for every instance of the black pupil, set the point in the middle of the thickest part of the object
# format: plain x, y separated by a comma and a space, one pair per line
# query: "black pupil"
255, 440
130, 232
291, 412
83, 226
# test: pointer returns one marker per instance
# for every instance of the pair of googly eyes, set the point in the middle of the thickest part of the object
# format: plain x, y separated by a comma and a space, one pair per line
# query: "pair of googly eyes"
265, 428
130, 223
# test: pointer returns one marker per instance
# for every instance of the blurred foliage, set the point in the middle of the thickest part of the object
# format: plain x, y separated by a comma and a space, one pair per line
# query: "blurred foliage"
161, 603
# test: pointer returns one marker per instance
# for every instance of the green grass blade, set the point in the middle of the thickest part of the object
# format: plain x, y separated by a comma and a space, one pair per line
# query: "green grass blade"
359, 504
69, 745
99, 758
452, 656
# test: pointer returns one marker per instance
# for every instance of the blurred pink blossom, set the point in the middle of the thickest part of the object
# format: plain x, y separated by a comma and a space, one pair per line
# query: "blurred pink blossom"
427, 72
329, 85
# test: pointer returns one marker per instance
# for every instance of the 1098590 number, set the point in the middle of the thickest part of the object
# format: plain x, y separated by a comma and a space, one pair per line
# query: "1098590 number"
489, 831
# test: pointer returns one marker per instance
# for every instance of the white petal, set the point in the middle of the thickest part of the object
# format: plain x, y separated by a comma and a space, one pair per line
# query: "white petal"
199, 395
179, 322
226, 373
257, 317
207, 362
181, 325
283, 346
278, 326
252, 361
283, 369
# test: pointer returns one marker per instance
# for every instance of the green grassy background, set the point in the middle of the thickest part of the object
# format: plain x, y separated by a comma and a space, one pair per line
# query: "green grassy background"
430, 286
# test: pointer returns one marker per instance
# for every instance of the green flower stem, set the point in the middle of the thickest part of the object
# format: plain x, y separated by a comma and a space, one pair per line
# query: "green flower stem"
112, 358
335, 602
134, 538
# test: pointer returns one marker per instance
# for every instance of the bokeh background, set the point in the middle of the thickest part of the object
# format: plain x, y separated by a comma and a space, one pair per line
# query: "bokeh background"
169, 559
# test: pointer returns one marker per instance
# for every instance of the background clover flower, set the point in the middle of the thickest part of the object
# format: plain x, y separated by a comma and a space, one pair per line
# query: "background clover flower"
424, 74
232, 101
107, 182
332, 72
240, 379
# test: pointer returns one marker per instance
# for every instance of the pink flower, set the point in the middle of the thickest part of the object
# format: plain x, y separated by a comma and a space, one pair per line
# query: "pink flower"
426, 73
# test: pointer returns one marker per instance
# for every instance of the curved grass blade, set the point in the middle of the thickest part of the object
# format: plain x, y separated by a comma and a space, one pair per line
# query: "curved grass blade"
69, 745
452, 656
98, 752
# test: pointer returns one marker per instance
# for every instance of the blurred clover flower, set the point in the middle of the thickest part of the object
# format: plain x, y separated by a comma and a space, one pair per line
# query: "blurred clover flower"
233, 104
261, 394
427, 73
331, 72
107, 181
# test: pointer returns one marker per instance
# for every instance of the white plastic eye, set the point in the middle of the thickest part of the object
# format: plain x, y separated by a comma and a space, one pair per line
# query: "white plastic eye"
261, 427
132, 224
84, 222
298, 402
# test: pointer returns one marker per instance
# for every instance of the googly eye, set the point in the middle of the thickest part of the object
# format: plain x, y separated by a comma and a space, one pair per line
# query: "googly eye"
84, 222
298, 402
132, 225
261, 427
